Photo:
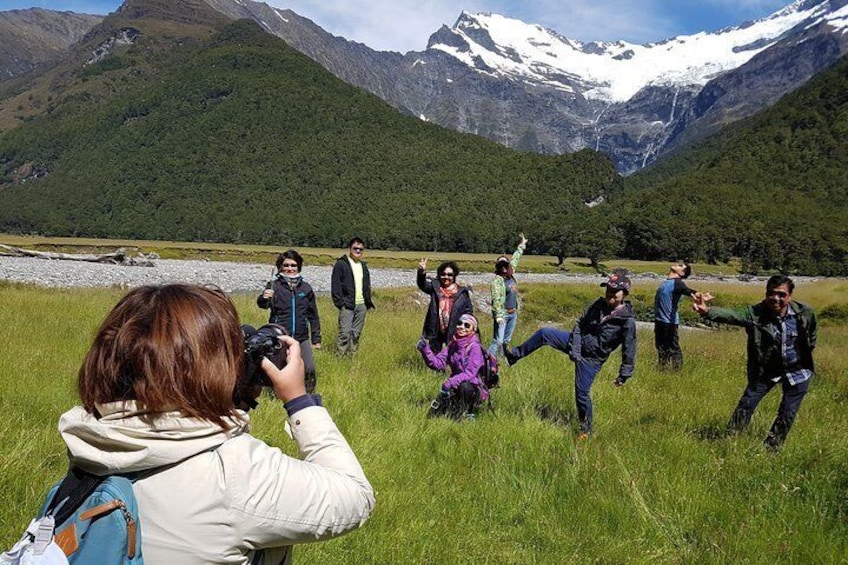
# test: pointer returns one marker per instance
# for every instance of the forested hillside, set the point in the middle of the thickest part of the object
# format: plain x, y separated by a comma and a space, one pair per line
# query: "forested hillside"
240, 138
772, 190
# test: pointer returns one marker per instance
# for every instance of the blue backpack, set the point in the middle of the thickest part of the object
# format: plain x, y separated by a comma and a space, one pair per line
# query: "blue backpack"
91, 519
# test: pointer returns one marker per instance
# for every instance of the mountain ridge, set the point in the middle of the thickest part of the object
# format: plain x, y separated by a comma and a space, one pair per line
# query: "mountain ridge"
452, 85
35, 37
533, 89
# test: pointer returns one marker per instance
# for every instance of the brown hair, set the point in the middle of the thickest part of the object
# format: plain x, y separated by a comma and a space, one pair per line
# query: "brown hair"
171, 347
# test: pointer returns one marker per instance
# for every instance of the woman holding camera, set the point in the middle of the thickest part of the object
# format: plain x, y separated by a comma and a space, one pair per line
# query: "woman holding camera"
292, 304
463, 391
448, 302
157, 392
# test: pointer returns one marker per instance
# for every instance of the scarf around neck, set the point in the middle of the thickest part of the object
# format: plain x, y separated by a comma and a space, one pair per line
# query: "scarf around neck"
446, 298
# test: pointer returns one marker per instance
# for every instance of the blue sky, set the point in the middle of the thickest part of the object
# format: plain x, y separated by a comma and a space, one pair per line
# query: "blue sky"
404, 25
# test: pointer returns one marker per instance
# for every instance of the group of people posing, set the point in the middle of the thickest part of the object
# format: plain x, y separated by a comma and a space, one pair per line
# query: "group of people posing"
781, 333
781, 337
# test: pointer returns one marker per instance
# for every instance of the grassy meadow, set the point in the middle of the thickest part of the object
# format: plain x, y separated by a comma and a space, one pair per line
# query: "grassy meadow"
658, 483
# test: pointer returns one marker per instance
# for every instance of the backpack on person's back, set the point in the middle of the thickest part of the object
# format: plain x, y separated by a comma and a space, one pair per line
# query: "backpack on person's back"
85, 519
490, 371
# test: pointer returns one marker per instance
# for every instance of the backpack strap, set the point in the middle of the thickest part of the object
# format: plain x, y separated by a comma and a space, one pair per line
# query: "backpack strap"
76, 487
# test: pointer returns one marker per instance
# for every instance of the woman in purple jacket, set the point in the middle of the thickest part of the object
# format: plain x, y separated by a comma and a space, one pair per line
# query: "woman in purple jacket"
464, 391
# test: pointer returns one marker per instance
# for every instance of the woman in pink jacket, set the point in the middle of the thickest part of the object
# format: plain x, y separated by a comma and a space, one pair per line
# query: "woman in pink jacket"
463, 391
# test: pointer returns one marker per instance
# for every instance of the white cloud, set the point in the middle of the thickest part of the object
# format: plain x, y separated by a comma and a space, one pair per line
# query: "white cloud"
398, 25
405, 25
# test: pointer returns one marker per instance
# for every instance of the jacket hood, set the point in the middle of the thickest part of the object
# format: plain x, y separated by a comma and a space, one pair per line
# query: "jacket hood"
128, 438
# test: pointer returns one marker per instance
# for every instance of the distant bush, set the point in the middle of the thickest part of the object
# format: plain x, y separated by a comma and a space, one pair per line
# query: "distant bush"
835, 312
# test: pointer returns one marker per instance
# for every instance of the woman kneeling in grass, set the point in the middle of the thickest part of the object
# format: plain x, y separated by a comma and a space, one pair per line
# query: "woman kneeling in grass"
464, 391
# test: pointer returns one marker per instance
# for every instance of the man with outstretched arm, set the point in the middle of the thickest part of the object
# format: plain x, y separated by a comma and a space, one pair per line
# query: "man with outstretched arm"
782, 335
607, 323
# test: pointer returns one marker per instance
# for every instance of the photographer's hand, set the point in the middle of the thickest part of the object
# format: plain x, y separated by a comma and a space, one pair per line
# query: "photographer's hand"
288, 382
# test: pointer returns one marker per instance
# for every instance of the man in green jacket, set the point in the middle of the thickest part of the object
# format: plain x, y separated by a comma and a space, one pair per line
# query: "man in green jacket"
781, 338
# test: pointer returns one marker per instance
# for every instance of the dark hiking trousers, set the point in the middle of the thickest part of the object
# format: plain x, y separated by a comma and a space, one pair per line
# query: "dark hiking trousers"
793, 395
668, 346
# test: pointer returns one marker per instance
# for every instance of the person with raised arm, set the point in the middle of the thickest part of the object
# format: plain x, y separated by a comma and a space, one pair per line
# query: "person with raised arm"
506, 300
448, 302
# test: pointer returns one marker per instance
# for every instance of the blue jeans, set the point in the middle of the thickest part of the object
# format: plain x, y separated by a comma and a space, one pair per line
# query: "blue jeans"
786, 412
584, 371
502, 333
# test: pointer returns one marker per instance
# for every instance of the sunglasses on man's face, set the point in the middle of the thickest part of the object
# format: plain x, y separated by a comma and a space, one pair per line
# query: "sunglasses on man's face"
446, 275
289, 265
777, 293
357, 249
465, 325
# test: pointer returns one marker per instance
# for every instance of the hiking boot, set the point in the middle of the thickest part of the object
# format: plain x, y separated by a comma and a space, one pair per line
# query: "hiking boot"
511, 356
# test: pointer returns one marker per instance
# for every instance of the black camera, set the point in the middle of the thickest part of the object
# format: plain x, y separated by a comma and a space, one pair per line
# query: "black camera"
261, 343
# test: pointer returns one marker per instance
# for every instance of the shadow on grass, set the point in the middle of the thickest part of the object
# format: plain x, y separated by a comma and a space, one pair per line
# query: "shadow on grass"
713, 431
556, 416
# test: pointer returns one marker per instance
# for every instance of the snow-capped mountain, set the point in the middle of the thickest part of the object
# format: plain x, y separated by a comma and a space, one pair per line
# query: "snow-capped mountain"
533, 89
615, 72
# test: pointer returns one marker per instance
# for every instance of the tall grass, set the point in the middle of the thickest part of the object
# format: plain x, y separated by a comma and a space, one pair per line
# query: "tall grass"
659, 481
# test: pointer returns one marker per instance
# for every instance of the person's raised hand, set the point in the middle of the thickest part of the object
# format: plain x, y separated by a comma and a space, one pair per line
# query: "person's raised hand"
422, 264
700, 305
288, 382
523, 239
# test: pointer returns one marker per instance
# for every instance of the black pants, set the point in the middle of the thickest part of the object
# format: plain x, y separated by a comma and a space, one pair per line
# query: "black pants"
456, 403
786, 412
668, 346
311, 379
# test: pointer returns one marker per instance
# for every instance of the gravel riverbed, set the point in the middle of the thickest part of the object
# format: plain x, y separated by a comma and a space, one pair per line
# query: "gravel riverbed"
247, 277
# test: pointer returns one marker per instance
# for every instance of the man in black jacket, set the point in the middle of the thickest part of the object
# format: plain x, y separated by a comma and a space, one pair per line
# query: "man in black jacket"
606, 324
351, 291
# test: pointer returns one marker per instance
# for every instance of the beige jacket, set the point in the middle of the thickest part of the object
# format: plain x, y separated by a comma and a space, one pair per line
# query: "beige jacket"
230, 494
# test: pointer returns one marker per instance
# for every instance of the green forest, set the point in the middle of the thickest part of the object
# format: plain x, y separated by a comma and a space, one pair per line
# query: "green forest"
232, 136
242, 139
771, 190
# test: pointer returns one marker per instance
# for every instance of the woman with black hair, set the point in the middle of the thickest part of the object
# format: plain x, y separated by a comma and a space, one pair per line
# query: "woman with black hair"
292, 304
448, 301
